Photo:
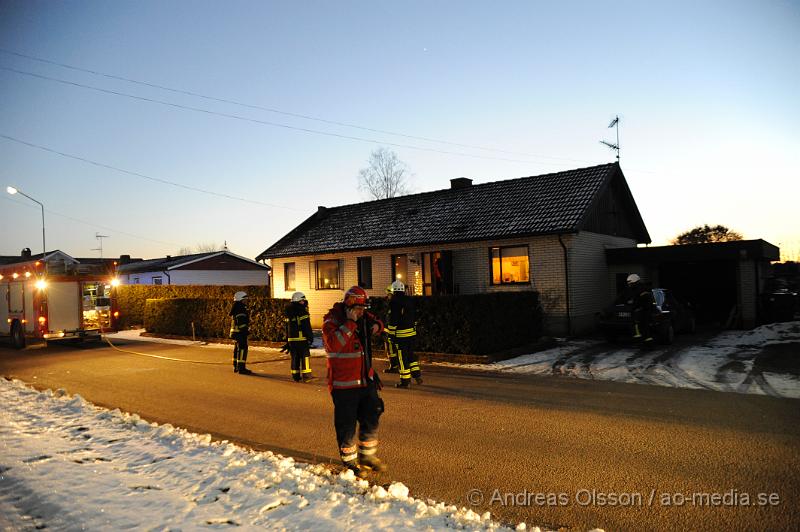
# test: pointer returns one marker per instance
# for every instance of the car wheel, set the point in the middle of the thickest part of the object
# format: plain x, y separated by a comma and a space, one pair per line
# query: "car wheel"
692, 328
17, 336
610, 337
668, 336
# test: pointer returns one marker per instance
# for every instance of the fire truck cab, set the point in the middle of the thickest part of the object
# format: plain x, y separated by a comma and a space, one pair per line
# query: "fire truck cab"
63, 305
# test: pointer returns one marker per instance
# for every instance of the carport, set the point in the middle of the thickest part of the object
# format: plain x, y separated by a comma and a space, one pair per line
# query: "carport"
722, 280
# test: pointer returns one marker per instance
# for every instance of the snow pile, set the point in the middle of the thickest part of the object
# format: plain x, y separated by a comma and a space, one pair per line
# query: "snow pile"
65, 463
727, 362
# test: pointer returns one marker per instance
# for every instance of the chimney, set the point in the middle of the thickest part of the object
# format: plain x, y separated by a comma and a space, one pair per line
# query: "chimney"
169, 257
26, 253
321, 210
460, 182
124, 259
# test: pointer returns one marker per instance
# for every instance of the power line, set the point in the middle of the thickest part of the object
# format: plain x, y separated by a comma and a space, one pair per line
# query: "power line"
92, 224
143, 176
268, 123
278, 111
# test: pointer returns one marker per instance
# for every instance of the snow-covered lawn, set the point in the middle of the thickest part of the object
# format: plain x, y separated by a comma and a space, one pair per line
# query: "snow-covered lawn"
733, 361
67, 464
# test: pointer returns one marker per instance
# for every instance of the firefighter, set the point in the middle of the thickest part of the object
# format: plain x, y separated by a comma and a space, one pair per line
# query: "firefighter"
640, 297
240, 325
402, 319
299, 336
391, 350
347, 335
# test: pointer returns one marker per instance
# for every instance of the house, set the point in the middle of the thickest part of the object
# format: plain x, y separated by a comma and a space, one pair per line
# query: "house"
57, 262
212, 268
547, 233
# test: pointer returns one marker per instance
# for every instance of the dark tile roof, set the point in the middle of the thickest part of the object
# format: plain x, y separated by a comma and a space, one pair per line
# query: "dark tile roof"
161, 264
545, 204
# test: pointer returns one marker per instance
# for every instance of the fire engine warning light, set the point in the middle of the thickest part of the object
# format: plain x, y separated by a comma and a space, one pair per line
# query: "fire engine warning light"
41, 284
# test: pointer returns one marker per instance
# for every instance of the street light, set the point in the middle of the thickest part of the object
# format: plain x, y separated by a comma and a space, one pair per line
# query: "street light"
13, 190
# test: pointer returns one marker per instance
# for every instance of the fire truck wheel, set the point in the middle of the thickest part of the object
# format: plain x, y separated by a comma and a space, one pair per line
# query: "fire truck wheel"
17, 336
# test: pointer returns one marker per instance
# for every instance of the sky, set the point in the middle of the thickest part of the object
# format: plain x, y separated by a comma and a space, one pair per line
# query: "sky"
275, 106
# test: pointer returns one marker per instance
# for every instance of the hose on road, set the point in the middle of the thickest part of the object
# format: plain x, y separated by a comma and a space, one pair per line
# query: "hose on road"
130, 352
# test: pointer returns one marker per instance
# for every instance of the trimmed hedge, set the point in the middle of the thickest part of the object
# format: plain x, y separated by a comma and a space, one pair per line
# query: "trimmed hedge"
476, 324
473, 324
131, 298
211, 319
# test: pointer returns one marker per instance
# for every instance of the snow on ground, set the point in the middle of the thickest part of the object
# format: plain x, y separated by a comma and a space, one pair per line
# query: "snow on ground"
67, 464
731, 361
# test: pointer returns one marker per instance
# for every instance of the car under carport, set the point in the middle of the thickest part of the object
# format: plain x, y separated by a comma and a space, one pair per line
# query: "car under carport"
723, 281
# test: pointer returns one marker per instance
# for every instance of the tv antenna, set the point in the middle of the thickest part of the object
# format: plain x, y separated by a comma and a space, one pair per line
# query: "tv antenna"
100, 238
614, 147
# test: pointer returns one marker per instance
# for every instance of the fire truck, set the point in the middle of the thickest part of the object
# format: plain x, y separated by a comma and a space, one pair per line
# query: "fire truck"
65, 305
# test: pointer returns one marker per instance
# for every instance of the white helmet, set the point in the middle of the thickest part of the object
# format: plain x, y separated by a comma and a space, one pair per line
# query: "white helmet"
298, 296
398, 286
633, 279
239, 296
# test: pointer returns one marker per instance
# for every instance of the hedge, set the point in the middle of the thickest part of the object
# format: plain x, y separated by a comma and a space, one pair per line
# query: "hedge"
131, 298
473, 324
211, 319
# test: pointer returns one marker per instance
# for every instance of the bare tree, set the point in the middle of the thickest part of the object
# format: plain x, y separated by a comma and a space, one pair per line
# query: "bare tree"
703, 234
385, 176
200, 248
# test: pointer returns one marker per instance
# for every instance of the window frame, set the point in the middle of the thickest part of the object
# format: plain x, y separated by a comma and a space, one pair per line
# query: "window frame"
158, 278
500, 253
361, 281
394, 267
338, 274
286, 286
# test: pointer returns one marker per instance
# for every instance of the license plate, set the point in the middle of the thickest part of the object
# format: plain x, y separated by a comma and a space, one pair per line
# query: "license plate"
623, 314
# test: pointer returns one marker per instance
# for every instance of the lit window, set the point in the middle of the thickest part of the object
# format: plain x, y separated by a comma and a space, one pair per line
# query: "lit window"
288, 277
510, 265
327, 275
400, 268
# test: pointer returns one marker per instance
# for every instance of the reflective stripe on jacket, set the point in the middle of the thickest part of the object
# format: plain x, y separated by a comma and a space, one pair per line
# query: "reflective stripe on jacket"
298, 323
346, 342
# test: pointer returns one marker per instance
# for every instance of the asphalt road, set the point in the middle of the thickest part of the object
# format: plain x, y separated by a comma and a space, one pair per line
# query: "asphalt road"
553, 451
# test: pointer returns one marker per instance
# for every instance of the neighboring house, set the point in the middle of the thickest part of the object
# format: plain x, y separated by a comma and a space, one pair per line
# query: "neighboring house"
545, 233
57, 262
213, 268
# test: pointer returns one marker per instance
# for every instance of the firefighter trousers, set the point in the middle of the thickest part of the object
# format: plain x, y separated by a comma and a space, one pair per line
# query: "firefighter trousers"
239, 350
301, 360
357, 406
391, 352
407, 359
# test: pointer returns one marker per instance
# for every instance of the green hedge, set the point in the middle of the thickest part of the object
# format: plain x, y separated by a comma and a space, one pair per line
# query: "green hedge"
131, 298
211, 319
474, 324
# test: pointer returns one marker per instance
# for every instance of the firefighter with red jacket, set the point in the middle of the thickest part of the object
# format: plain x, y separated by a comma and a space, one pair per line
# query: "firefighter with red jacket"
347, 335
402, 321
299, 336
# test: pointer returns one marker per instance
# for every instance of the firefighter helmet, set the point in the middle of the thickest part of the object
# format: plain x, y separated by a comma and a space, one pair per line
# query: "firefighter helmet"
239, 296
298, 296
398, 286
355, 296
633, 279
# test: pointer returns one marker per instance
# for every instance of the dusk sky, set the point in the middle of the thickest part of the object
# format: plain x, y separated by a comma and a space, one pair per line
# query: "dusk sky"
707, 94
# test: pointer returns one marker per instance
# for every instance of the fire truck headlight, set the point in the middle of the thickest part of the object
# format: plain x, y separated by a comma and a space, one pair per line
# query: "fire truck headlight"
41, 284
114, 282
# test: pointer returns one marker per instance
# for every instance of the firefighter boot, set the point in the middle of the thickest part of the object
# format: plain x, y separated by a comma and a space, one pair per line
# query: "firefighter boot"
242, 370
371, 463
404, 383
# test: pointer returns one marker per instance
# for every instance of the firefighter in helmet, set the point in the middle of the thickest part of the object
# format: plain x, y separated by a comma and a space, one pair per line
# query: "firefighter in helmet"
402, 320
347, 333
240, 326
299, 336
640, 298
391, 350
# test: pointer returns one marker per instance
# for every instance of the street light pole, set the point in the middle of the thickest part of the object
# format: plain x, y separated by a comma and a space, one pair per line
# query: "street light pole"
13, 190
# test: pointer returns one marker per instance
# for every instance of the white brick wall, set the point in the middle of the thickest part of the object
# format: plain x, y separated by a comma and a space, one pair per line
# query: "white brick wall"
471, 273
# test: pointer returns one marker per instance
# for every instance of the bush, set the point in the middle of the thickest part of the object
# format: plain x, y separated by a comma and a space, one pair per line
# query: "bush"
131, 298
211, 318
473, 324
